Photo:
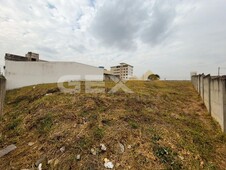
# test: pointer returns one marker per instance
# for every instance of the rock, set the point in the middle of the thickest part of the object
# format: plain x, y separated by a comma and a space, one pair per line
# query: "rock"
62, 149
108, 164
50, 161
42, 160
106, 160
129, 146
7, 150
103, 147
40, 166
47, 94
56, 162
31, 143
93, 151
78, 157
34, 87
52, 164
122, 147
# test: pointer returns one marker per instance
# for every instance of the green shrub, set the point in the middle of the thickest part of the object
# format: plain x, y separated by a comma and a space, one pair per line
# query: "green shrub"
167, 156
98, 133
45, 124
133, 124
13, 124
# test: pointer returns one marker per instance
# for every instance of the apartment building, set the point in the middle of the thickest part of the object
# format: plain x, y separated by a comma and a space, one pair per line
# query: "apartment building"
124, 71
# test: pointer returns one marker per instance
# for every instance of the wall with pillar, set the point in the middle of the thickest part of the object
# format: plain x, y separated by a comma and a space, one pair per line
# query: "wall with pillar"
212, 90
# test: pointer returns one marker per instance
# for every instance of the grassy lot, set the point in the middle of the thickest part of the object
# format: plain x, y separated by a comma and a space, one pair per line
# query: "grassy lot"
162, 125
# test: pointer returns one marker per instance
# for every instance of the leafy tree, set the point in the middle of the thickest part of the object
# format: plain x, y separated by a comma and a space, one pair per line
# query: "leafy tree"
153, 77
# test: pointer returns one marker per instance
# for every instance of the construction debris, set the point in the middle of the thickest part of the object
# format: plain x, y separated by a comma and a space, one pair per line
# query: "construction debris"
103, 147
93, 151
122, 147
78, 157
108, 164
7, 150
62, 149
31, 143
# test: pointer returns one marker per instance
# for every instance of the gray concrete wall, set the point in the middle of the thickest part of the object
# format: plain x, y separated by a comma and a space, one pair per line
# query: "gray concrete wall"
194, 80
201, 92
2, 93
223, 81
212, 89
199, 83
206, 92
216, 100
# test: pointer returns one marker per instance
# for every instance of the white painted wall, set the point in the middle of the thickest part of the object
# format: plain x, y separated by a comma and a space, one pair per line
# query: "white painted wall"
20, 74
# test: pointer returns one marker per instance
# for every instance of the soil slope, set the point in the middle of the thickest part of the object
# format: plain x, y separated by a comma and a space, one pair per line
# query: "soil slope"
162, 125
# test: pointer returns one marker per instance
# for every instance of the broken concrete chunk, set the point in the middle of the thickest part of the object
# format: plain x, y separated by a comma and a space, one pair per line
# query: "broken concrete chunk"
41, 160
93, 151
78, 157
108, 164
103, 147
40, 166
31, 143
62, 149
50, 161
122, 147
7, 150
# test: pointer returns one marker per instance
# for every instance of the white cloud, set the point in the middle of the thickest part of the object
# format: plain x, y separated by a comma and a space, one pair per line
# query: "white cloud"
171, 38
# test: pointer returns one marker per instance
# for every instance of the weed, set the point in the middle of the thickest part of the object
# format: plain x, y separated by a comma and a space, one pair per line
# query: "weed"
84, 114
98, 133
84, 143
167, 157
106, 122
45, 124
1, 138
13, 124
1, 118
155, 138
133, 124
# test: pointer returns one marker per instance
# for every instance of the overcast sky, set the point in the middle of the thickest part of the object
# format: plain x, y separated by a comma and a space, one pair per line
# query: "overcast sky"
168, 37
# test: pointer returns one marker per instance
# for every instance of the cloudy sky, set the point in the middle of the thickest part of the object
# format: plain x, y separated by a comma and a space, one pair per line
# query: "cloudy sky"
169, 37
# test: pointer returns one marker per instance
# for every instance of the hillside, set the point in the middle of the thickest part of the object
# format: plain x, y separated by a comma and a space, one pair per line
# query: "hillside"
163, 125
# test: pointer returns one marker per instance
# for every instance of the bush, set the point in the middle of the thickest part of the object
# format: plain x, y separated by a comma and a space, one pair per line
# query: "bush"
45, 124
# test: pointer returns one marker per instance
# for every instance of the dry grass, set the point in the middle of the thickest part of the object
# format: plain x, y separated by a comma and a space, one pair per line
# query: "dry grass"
165, 123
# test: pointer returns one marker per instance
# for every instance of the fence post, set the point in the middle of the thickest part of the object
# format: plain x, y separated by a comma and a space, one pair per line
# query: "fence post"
2, 93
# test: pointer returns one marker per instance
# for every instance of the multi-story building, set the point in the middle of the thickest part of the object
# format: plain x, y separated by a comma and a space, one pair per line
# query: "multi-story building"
124, 71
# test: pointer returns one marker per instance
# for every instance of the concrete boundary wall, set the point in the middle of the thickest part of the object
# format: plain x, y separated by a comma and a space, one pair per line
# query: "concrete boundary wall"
25, 73
212, 90
2, 93
206, 92
201, 88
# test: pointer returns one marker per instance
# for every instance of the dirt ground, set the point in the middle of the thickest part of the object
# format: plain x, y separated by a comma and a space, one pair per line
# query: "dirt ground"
162, 125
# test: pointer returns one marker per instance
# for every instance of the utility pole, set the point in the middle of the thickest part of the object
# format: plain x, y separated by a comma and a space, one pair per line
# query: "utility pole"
219, 71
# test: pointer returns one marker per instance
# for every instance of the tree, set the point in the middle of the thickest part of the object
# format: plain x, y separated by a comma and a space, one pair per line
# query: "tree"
153, 77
